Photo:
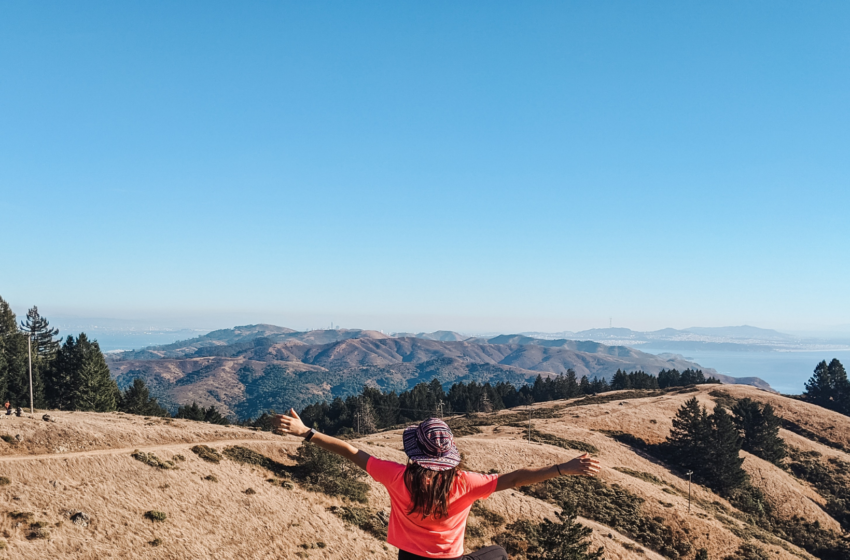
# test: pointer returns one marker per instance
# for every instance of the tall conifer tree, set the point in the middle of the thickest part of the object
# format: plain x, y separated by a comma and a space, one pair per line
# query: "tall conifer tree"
14, 375
723, 470
85, 377
760, 429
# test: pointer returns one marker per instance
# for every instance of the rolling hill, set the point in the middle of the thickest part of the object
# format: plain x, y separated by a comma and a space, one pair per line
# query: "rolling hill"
638, 510
247, 370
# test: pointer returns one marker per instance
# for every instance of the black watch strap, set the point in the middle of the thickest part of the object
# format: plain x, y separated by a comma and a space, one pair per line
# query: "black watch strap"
310, 434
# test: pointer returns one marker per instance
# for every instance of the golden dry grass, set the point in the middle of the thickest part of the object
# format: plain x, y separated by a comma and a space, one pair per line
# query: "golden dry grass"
83, 463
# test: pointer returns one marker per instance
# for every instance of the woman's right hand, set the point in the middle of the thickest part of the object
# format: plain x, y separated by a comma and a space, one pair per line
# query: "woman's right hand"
584, 465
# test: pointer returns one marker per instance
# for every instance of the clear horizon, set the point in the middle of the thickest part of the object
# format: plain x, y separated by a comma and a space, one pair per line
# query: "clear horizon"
408, 167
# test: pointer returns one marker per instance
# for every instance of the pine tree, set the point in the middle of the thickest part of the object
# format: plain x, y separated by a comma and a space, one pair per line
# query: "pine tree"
620, 381
137, 400
829, 387
43, 342
213, 416
668, 378
44, 349
14, 374
722, 471
819, 388
191, 412
92, 388
584, 386
59, 377
841, 386
760, 428
689, 438
565, 540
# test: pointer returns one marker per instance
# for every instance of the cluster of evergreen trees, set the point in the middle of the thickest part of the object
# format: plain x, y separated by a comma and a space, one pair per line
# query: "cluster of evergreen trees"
710, 444
70, 374
666, 378
374, 409
829, 387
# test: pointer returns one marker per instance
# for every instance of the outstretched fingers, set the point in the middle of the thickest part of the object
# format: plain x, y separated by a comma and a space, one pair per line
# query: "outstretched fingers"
589, 465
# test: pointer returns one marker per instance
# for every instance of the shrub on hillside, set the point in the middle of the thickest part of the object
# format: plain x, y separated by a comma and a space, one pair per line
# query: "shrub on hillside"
152, 460
831, 479
156, 515
207, 453
365, 518
322, 471
749, 551
565, 539
613, 506
250, 457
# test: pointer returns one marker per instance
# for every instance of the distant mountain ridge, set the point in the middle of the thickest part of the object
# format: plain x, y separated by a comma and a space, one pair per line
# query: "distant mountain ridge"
742, 338
249, 369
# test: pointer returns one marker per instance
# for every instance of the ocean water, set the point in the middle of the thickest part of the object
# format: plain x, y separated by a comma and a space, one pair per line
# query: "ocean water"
786, 372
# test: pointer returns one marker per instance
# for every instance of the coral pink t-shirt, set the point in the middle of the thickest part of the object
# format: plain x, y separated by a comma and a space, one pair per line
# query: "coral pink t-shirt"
432, 538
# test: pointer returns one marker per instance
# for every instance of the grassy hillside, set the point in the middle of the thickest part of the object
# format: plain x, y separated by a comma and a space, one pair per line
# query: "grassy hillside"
638, 508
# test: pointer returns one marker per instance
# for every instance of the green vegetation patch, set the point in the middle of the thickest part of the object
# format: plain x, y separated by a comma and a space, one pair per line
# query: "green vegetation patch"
152, 460
723, 398
247, 456
564, 539
365, 518
211, 478
321, 471
206, 453
8, 439
792, 426
641, 475
749, 551
550, 439
21, 515
4, 481
831, 479
616, 507
156, 515
488, 517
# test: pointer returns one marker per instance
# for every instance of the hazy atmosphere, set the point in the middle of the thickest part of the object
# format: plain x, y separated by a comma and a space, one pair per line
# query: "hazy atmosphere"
413, 168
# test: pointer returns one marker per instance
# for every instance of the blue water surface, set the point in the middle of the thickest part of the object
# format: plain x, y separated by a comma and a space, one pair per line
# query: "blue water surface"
786, 372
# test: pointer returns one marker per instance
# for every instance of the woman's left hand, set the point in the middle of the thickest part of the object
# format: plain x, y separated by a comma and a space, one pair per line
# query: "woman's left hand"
584, 465
290, 424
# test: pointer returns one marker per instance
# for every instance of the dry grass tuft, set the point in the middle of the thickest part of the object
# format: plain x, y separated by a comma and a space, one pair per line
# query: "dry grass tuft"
4, 481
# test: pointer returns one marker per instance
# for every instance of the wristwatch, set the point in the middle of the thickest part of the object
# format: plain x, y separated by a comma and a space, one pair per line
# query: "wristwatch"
310, 434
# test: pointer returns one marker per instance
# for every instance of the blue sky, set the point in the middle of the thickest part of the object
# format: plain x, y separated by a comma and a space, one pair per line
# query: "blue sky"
475, 166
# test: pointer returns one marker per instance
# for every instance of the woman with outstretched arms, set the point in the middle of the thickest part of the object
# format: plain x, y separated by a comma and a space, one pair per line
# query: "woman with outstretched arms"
430, 496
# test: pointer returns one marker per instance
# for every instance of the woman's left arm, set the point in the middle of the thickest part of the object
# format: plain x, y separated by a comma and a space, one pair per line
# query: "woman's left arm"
292, 424
584, 465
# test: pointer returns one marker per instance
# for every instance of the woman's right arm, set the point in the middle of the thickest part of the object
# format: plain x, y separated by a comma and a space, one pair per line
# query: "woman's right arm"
293, 425
585, 465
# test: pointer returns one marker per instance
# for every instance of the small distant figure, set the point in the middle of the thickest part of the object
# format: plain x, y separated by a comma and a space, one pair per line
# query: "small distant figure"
19, 412
8, 408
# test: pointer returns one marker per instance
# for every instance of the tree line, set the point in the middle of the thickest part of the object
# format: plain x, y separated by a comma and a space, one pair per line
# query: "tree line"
373, 409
